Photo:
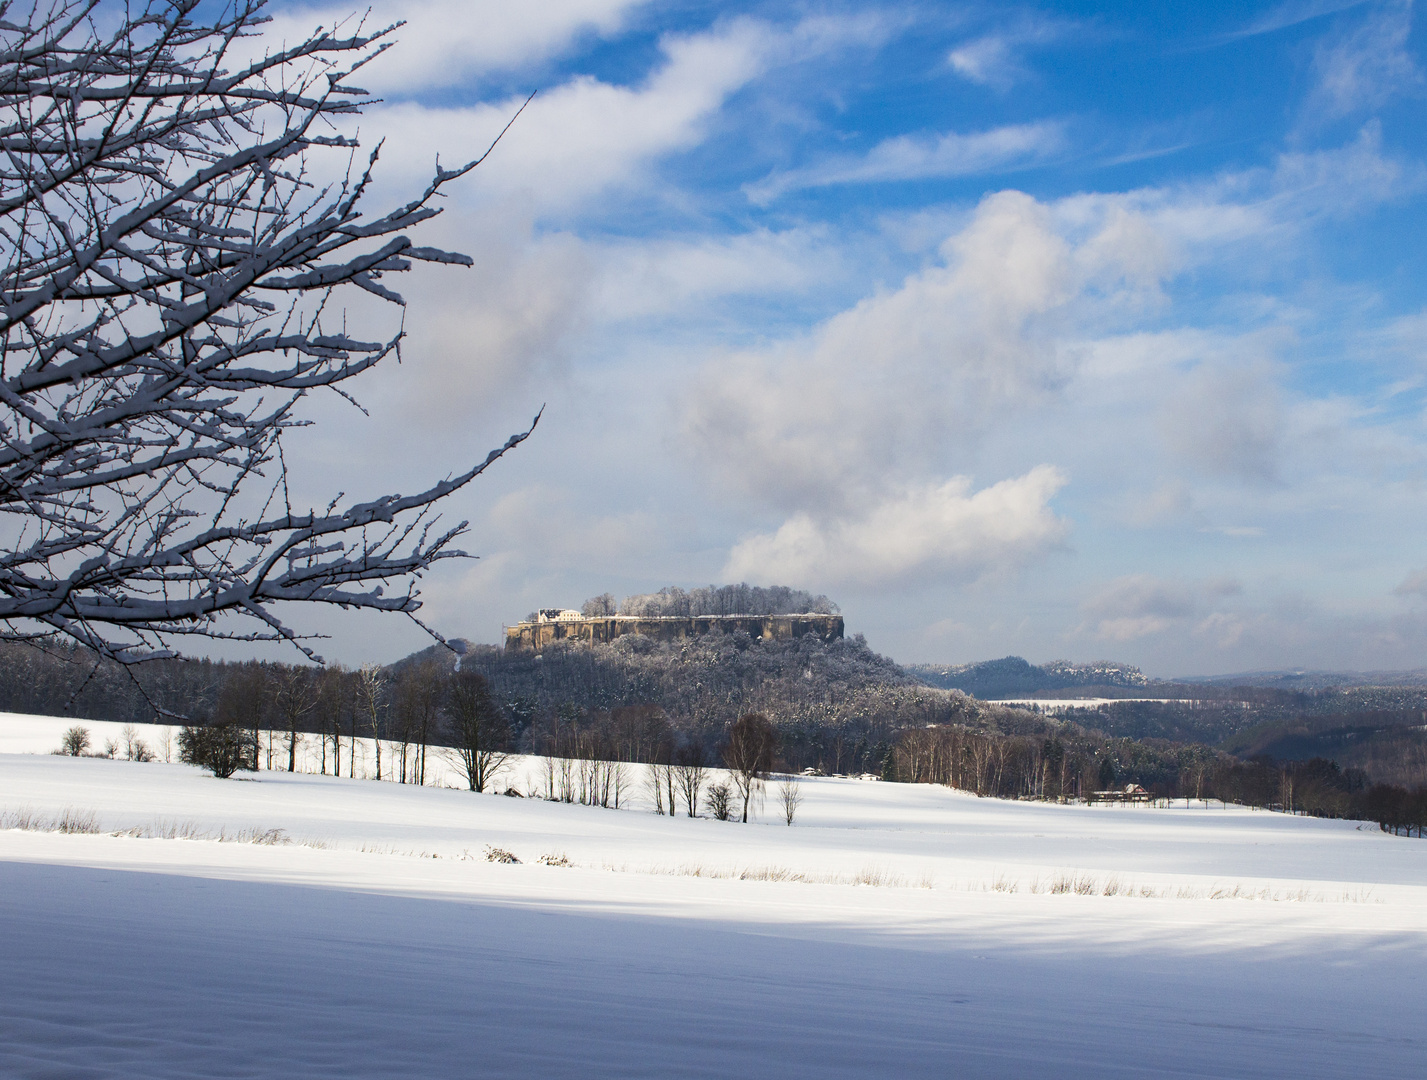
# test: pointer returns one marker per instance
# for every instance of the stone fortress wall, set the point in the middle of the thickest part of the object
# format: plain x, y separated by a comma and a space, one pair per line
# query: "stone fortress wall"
556, 625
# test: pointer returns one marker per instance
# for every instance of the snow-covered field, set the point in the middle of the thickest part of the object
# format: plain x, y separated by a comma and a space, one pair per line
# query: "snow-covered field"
892, 931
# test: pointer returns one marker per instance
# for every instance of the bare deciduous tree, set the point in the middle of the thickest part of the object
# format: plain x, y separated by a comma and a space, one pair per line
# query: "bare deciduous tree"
243, 701
690, 768
135, 749
790, 797
171, 287
479, 734
720, 801
75, 741
334, 705
371, 700
749, 754
296, 697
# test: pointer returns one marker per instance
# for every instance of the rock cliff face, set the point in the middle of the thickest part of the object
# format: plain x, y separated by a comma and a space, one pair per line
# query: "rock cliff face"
606, 628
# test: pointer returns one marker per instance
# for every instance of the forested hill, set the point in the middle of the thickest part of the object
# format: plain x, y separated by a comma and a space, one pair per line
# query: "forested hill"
836, 704
1014, 677
708, 680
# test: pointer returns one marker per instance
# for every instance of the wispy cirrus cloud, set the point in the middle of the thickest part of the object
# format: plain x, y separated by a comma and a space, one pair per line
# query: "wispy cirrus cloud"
997, 59
1292, 14
1365, 67
921, 157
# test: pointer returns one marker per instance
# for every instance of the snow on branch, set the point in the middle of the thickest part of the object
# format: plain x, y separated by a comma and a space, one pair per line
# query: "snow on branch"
172, 275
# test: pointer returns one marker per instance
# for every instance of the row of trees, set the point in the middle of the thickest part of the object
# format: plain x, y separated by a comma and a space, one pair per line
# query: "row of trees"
742, 599
1066, 763
420, 707
585, 759
1076, 763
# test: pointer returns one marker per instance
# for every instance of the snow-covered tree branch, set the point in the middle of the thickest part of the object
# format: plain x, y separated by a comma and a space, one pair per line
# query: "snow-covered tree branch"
174, 275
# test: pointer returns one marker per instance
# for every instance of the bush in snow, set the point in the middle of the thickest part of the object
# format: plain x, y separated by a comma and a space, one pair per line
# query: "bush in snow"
720, 799
75, 741
222, 749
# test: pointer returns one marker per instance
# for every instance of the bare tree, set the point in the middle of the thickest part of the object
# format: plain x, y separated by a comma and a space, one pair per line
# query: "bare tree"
172, 278
243, 702
690, 768
296, 697
790, 796
334, 704
135, 749
479, 734
749, 754
720, 801
75, 742
662, 782
371, 700
601, 605
418, 693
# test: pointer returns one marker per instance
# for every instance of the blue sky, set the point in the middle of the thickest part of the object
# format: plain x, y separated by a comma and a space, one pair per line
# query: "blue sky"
1077, 330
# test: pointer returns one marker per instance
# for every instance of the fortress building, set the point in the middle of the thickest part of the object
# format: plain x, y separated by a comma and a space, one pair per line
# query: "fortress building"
557, 624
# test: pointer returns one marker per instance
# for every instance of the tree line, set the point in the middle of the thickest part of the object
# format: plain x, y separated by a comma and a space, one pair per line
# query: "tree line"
835, 708
1075, 763
741, 599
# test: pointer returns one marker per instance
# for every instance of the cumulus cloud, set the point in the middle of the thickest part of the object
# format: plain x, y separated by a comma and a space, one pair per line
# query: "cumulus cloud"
946, 529
918, 157
1035, 309
905, 379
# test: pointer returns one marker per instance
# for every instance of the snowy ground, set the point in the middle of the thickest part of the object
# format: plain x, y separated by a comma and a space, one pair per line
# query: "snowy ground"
876, 937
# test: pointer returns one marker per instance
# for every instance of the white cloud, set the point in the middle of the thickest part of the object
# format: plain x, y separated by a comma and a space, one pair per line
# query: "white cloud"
585, 137
987, 60
658, 277
1024, 338
477, 334
995, 59
1139, 605
1294, 13
1414, 584
1364, 68
918, 157
905, 378
1228, 422
447, 42
944, 529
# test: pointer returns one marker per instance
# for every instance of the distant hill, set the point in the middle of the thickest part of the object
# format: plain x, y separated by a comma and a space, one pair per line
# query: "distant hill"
1015, 677
1311, 680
